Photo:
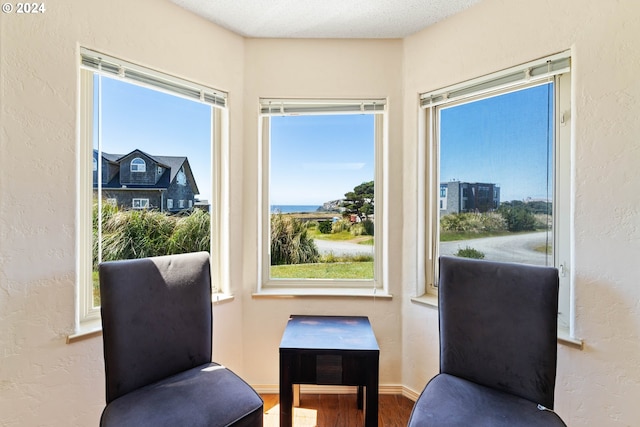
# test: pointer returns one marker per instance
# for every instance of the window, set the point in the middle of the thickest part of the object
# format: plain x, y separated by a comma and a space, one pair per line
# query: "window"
140, 203
322, 221
500, 156
181, 204
125, 110
138, 165
181, 177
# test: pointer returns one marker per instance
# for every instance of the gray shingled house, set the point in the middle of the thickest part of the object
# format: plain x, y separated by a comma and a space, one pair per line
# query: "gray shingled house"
142, 181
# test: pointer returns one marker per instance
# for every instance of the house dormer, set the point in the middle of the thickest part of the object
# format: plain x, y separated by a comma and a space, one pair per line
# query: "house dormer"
140, 168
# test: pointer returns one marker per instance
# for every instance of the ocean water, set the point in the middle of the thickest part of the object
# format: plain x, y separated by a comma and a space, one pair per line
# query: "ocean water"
294, 208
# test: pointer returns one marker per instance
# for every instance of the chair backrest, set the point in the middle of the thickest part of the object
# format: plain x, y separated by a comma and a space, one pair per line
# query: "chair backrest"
156, 318
498, 325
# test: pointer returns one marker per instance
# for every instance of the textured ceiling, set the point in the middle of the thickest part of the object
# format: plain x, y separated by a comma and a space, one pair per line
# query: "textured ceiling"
325, 18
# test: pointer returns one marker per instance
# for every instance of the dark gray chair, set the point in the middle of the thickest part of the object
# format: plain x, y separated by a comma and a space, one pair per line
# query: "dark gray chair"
156, 328
498, 347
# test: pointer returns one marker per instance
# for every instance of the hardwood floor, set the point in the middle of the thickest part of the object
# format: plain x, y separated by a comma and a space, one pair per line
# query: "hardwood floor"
338, 410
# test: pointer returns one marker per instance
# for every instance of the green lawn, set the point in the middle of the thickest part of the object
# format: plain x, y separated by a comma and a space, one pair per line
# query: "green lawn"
341, 236
335, 270
450, 236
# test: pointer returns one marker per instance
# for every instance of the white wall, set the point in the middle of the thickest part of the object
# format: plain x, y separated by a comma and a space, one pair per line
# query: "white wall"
599, 386
44, 381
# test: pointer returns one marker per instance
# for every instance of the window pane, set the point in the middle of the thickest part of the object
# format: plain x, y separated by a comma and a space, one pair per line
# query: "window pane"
321, 197
150, 148
496, 172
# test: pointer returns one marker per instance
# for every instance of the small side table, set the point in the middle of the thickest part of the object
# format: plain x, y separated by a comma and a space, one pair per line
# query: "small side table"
329, 350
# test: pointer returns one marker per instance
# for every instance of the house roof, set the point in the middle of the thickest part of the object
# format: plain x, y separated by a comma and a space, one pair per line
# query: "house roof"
172, 164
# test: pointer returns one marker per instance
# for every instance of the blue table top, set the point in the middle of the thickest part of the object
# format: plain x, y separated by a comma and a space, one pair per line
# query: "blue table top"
329, 333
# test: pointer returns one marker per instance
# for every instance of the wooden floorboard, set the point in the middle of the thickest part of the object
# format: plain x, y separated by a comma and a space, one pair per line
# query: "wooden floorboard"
338, 410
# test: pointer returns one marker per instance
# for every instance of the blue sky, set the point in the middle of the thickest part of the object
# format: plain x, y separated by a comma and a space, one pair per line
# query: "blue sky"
500, 140
315, 159
158, 124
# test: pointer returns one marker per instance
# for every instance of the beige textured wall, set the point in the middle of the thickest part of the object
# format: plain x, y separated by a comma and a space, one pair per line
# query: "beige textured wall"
599, 386
324, 69
44, 381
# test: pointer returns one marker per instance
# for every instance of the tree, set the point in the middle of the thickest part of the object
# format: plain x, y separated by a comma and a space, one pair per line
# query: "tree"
360, 200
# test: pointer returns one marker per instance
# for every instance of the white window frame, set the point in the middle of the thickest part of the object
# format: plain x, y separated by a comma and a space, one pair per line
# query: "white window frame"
181, 204
87, 317
142, 203
138, 165
169, 203
555, 68
378, 286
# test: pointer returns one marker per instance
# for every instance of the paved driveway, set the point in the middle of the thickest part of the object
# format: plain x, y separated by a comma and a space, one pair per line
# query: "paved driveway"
342, 248
515, 248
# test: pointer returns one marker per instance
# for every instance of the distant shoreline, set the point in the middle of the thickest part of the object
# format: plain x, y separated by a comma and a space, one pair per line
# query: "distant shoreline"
285, 209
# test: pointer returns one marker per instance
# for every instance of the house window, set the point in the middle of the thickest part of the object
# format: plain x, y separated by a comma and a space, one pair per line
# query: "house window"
126, 108
190, 203
181, 177
322, 221
181, 204
506, 139
140, 203
112, 201
138, 165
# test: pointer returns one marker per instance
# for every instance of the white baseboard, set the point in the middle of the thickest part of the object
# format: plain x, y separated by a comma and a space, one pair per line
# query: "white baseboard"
332, 389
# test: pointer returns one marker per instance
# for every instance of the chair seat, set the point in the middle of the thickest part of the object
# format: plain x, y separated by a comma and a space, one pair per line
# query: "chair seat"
449, 401
208, 395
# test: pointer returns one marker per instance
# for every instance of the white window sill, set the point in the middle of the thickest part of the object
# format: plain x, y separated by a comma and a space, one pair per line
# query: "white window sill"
289, 292
93, 328
220, 298
88, 329
431, 300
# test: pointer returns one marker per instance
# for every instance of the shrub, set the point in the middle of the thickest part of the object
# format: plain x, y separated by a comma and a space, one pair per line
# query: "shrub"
143, 233
470, 253
340, 226
290, 243
473, 223
325, 227
136, 234
191, 233
518, 218
364, 228
368, 227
